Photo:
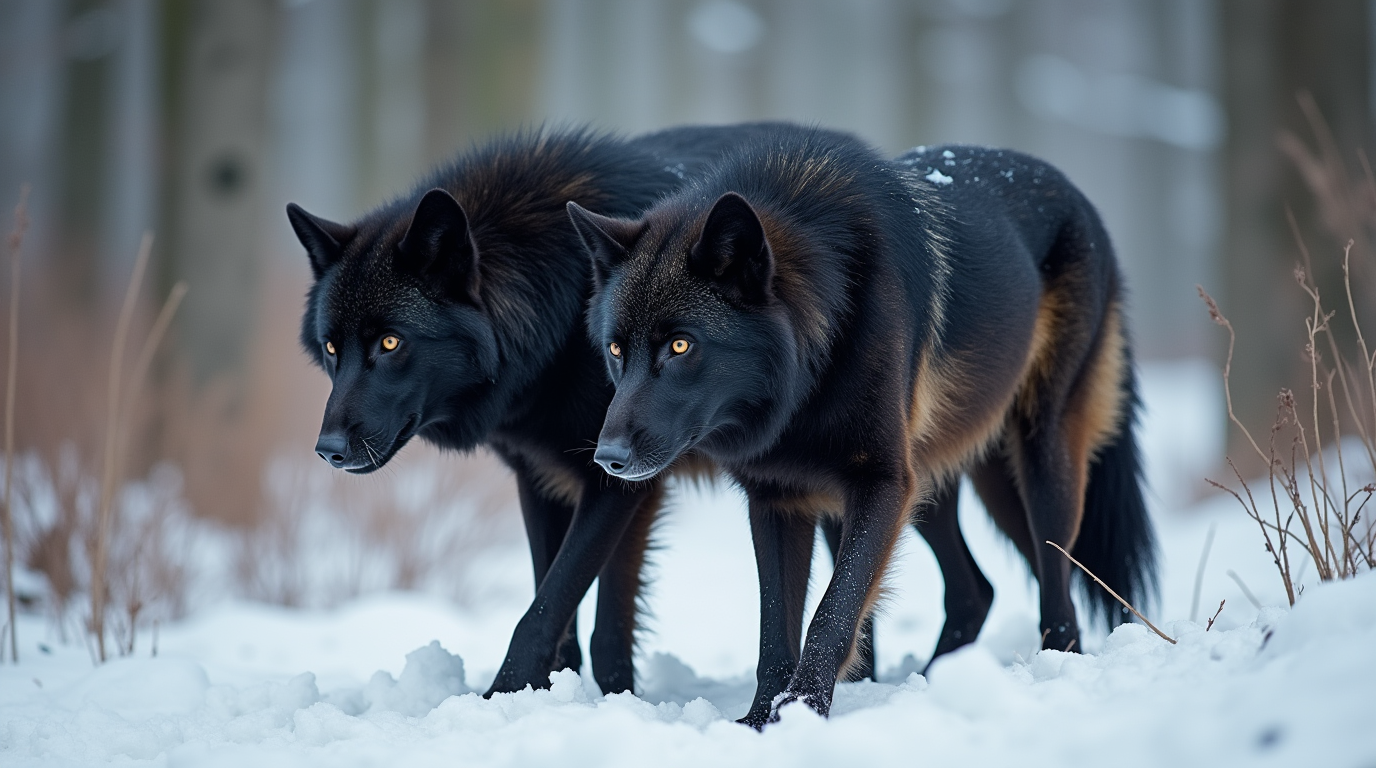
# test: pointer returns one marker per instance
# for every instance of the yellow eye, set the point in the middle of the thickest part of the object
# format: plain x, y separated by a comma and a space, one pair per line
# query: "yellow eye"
329, 347
390, 343
615, 349
679, 346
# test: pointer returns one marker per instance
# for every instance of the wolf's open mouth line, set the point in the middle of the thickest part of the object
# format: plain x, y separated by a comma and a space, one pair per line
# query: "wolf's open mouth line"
408, 430
639, 476
658, 463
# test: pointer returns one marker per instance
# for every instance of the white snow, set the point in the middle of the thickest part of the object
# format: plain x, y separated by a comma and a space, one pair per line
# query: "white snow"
938, 178
389, 679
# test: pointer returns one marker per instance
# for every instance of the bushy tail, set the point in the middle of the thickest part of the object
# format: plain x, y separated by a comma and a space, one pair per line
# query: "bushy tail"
1116, 541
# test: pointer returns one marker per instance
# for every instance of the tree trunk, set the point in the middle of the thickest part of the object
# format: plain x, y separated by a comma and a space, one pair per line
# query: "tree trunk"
218, 54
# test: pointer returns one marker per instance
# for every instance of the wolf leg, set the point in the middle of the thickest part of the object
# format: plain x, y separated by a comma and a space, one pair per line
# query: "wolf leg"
547, 521
595, 530
1053, 485
1065, 417
862, 668
618, 591
783, 541
876, 510
968, 593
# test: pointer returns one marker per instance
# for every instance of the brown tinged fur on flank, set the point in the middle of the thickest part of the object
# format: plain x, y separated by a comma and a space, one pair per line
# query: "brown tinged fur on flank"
1096, 413
957, 416
1093, 401
945, 434
1040, 364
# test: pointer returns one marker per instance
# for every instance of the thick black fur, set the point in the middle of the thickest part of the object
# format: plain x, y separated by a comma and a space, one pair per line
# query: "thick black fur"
482, 282
843, 332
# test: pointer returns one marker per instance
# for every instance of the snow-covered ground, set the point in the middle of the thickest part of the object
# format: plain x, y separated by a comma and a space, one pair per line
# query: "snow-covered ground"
388, 679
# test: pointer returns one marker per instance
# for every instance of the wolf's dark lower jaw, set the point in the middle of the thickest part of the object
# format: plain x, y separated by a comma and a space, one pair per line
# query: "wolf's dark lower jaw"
407, 432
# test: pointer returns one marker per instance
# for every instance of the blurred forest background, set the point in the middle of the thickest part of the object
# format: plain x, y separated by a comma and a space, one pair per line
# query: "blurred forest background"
1194, 125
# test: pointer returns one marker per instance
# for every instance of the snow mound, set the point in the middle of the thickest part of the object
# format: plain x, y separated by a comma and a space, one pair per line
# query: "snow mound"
432, 675
140, 689
1290, 688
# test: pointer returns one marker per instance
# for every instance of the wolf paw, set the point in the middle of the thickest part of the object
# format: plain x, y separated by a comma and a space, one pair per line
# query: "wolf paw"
1061, 636
511, 679
756, 719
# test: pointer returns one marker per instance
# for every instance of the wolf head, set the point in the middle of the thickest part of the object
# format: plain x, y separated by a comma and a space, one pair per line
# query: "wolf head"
694, 336
396, 318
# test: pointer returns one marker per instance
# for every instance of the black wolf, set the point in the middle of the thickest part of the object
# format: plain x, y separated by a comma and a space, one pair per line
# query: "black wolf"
454, 314
843, 332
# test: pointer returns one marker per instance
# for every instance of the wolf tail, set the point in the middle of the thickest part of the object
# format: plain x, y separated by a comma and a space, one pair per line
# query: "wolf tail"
1116, 541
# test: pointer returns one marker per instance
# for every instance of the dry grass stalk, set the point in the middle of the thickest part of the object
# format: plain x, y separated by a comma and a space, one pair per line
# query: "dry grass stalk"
1116, 596
1346, 207
1199, 572
21, 223
99, 581
150, 347
1242, 585
134, 593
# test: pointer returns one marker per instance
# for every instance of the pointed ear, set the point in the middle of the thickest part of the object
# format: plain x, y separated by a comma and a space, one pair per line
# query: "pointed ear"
324, 240
439, 249
607, 240
733, 252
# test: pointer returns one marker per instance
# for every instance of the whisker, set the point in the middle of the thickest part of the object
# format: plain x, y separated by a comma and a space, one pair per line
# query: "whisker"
372, 455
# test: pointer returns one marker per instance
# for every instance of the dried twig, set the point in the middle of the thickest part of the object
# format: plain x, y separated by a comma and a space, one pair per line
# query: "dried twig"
155, 334
1116, 596
21, 223
1210, 625
1218, 318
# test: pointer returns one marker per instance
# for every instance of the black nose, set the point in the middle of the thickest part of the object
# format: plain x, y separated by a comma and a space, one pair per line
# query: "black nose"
614, 457
334, 448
